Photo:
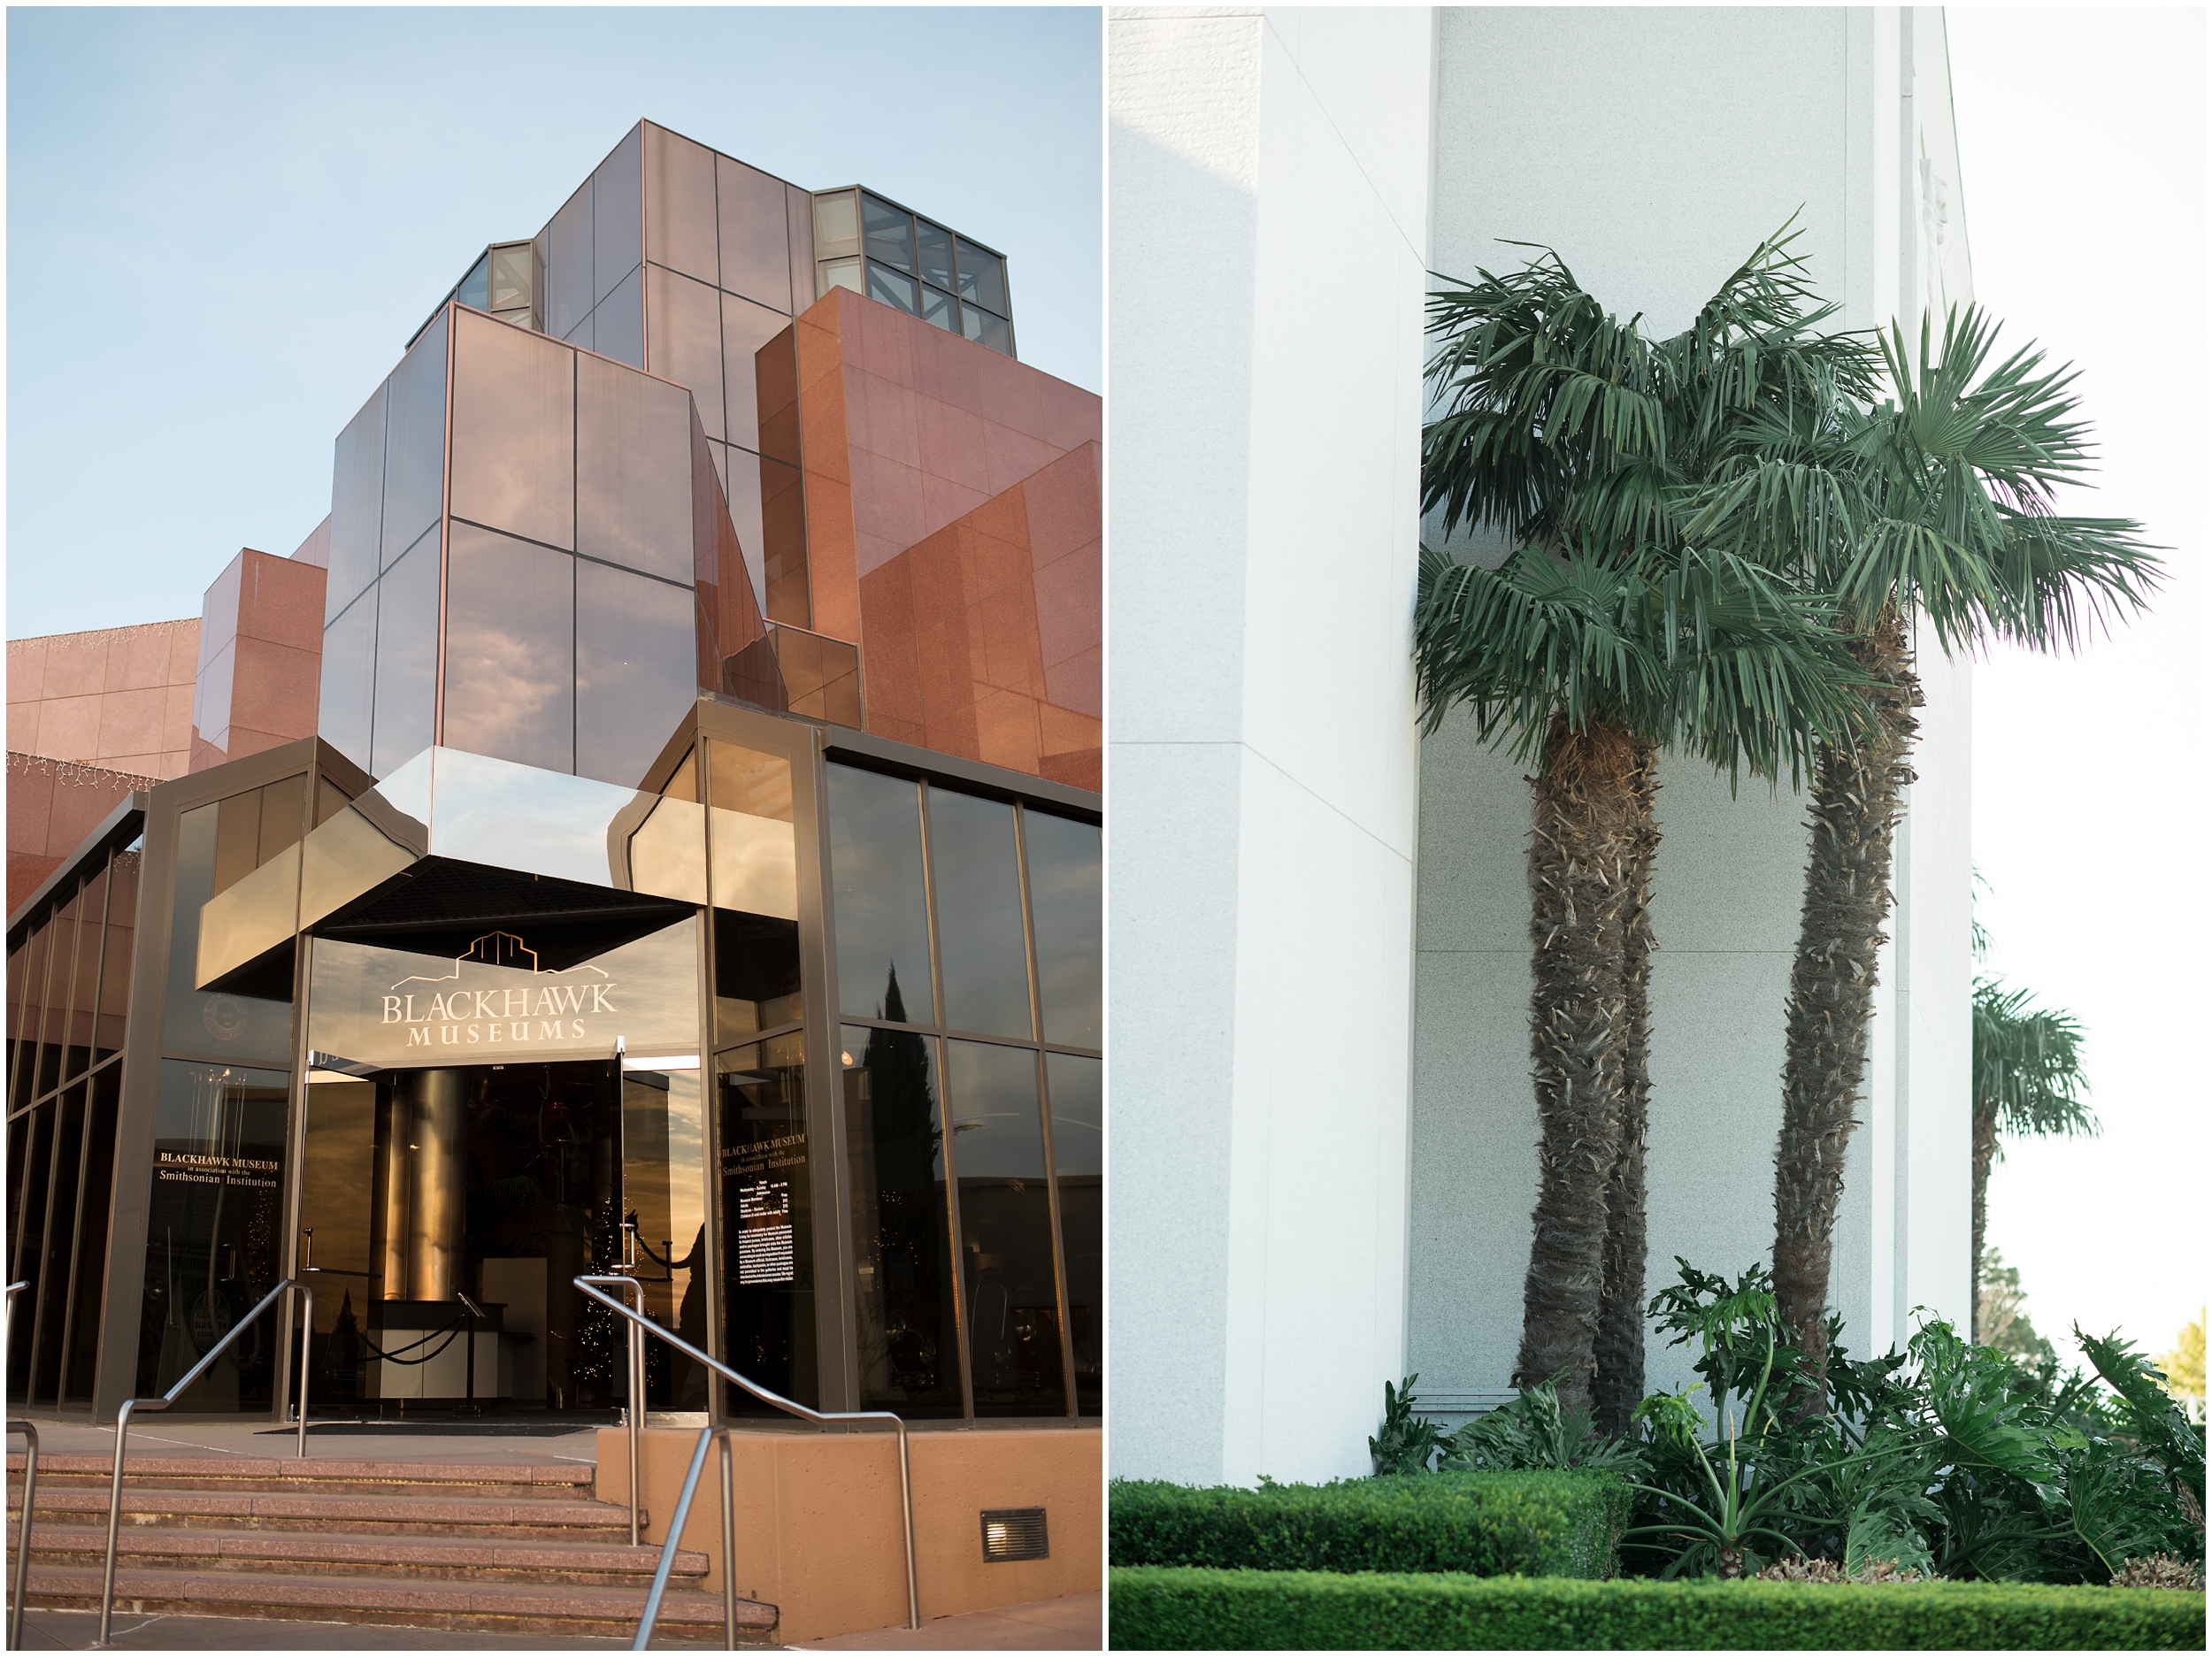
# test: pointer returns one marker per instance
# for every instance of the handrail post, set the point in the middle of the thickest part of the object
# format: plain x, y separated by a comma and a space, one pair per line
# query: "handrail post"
307, 1344
906, 1506
23, 1540
634, 1342
668, 1544
729, 1546
176, 1391
115, 1511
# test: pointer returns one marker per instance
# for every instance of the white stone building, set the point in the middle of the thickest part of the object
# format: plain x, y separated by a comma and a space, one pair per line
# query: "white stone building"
1322, 1142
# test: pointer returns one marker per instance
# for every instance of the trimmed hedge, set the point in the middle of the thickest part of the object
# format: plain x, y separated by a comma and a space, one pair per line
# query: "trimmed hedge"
1489, 1524
1153, 1609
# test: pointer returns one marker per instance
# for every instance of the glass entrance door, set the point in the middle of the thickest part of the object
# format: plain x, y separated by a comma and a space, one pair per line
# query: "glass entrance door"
449, 1212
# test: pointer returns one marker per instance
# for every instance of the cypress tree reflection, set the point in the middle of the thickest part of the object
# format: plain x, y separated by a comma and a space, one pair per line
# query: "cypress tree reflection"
903, 1297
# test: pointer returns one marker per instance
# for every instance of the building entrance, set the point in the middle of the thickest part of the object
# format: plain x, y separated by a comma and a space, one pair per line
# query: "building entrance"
446, 1212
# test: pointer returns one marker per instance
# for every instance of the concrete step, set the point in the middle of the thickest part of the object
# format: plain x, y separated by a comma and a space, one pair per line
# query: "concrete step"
559, 1481
338, 1555
685, 1611
247, 1509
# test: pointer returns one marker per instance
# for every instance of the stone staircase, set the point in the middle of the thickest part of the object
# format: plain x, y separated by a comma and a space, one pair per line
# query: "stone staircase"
515, 1550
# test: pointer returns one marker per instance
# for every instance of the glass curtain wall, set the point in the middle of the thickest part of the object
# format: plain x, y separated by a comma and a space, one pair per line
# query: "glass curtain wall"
68, 996
967, 938
214, 1243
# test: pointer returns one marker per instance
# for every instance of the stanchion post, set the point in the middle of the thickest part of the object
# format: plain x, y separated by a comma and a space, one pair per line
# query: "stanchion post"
729, 1548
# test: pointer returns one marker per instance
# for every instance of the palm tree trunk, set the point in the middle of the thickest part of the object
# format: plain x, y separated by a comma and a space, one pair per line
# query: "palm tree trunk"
1619, 1347
1985, 1154
1857, 798
1582, 851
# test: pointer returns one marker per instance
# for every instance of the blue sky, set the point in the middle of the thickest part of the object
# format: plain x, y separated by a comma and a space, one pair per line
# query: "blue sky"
223, 226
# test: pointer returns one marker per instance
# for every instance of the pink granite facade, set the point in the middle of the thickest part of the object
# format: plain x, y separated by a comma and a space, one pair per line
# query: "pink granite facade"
260, 657
119, 699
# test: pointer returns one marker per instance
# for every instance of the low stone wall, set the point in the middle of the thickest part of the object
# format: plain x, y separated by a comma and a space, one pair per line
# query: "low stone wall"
817, 1517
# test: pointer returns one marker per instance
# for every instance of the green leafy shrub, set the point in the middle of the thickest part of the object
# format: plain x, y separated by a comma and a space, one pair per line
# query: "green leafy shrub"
1949, 1458
1532, 1431
1162, 1610
1535, 1523
1407, 1440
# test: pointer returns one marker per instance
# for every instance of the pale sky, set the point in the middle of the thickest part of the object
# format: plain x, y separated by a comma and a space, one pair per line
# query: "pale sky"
225, 225
2081, 140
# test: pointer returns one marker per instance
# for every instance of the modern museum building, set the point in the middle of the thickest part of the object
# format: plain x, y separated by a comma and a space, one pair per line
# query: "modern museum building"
652, 825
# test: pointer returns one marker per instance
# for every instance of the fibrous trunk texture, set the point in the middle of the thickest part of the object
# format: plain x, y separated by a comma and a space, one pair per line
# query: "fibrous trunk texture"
1857, 798
1985, 1154
1619, 1347
1582, 850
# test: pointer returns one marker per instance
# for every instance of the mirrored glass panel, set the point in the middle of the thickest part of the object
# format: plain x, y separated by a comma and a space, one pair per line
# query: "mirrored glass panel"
684, 339
881, 907
349, 680
511, 266
664, 1185
755, 237
746, 329
514, 422
511, 650
982, 277
406, 658
568, 296
842, 273
995, 331
635, 678
617, 216
1064, 909
906, 1323
414, 449
680, 204
891, 288
767, 1222
1078, 1165
751, 846
223, 1025
1013, 1305
836, 224
887, 232
756, 975
617, 327
982, 955
475, 288
633, 504
356, 507
934, 244
941, 310
214, 1234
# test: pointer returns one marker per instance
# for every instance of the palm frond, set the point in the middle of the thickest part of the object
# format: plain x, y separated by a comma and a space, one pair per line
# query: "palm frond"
2027, 1065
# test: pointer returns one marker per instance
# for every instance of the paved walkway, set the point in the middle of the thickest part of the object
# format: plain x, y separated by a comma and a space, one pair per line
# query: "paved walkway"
1075, 1624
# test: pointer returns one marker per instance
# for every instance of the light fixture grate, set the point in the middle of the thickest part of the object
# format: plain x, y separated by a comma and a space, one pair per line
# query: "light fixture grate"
1011, 1533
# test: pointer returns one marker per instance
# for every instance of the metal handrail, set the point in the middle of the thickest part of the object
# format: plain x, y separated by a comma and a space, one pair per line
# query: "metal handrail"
639, 1325
30, 1475
123, 1424
23, 1536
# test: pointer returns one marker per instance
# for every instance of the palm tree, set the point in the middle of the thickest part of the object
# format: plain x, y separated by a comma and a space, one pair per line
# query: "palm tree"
1937, 504
1605, 634
2027, 1080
